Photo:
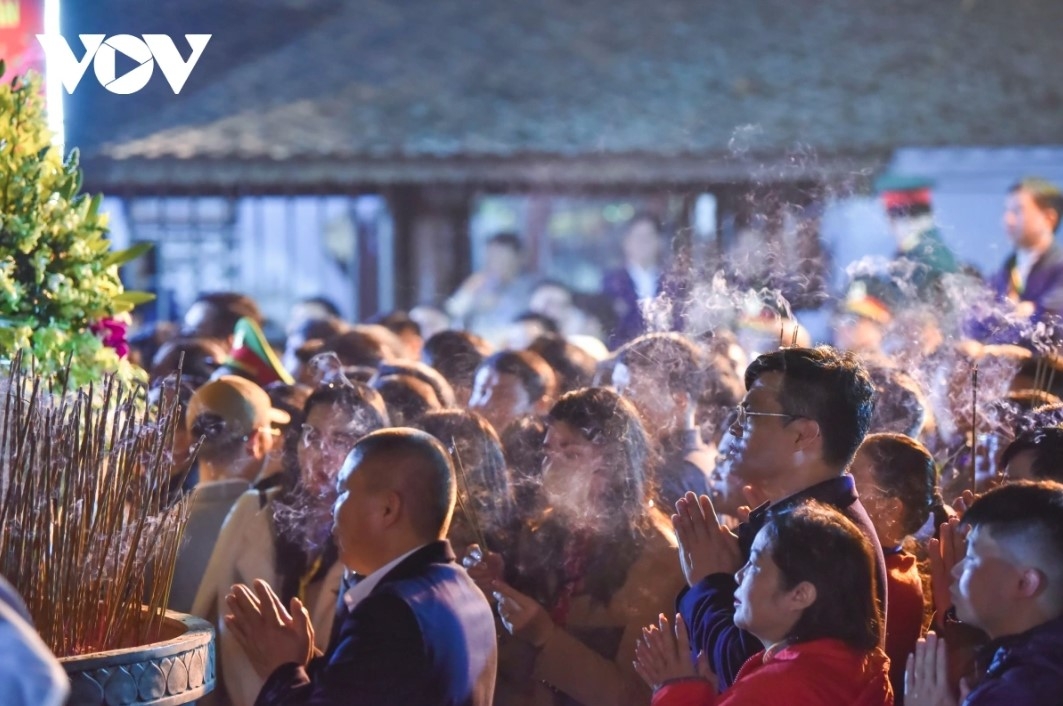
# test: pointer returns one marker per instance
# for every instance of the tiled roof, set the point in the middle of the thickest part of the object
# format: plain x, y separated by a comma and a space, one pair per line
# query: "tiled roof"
388, 85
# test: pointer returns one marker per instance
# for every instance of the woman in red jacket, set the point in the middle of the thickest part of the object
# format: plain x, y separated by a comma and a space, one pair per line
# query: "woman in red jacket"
807, 593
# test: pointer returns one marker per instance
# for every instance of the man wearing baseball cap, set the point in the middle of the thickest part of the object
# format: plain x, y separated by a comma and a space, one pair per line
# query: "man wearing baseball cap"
232, 421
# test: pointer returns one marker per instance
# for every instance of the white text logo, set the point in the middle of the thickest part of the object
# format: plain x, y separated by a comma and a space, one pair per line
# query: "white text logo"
102, 51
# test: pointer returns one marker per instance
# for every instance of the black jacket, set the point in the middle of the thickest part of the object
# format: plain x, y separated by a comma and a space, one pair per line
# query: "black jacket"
425, 636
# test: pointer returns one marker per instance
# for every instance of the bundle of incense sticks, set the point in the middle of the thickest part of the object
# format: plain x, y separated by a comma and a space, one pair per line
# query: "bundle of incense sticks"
88, 533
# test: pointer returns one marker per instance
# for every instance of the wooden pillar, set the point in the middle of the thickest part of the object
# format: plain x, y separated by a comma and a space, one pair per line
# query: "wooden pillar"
432, 247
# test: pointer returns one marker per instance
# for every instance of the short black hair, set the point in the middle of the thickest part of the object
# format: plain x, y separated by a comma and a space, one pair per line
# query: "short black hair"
1031, 510
1046, 443
407, 397
573, 366
829, 387
815, 543
202, 356
226, 309
535, 374
361, 345
425, 474
681, 362
397, 322
356, 398
904, 469
318, 329
900, 405
423, 372
456, 355
507, 239
1044, 193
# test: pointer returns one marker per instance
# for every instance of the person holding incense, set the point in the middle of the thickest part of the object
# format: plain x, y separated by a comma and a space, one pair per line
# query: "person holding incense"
579, 579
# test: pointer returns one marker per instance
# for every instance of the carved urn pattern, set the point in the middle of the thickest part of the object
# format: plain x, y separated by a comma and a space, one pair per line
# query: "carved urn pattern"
177, 670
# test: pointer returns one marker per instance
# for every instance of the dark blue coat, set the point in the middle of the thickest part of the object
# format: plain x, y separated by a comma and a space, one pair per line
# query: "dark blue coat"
1024, 670
1044, 287
708, 607
619, 289
424, 636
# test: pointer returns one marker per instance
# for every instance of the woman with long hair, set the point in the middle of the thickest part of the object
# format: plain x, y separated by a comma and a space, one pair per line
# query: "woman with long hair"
580, 577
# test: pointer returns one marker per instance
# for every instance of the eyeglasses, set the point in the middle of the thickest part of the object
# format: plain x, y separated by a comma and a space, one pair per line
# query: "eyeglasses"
314, 437
742, 416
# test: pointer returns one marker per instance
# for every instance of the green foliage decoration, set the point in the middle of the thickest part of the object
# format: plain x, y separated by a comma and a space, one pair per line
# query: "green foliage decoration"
61, 300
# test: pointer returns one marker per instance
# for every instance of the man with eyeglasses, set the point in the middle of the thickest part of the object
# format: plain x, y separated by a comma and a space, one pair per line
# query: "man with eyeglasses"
804, 414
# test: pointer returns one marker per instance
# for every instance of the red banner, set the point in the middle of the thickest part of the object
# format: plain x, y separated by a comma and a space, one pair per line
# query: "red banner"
20, 23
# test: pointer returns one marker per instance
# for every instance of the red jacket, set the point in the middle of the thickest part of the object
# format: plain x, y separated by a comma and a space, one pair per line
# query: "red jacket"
817, 673
904, 621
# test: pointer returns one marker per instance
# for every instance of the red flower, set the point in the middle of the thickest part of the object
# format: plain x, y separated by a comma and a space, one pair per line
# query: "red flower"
113, 334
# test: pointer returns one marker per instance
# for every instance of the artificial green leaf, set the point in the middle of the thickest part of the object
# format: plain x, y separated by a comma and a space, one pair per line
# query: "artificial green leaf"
121, 257
134, 298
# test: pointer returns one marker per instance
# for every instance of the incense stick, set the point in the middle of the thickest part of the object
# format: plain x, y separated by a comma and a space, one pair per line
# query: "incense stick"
974, 427
468, 511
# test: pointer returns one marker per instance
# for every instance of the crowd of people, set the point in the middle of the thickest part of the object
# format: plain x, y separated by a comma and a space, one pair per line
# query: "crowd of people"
406, 511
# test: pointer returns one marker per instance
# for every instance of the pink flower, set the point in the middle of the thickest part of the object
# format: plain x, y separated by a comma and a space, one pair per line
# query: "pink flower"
113, 334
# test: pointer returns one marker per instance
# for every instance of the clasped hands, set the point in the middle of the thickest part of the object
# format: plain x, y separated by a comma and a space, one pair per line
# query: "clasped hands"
926, 675
270, 635
663, 654
706, 546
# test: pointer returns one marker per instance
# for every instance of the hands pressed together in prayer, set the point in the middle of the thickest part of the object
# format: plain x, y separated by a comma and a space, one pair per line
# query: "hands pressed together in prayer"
706, 546
270, 635
926, 675
663, 655
944, 553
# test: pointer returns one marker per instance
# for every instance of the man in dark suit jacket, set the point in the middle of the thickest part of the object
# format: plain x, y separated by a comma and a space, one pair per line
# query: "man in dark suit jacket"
639, 279
1032, 276
416, 630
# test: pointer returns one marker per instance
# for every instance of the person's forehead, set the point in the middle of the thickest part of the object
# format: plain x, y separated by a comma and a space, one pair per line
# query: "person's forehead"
981, 542
760, 541
333, 416
767, 386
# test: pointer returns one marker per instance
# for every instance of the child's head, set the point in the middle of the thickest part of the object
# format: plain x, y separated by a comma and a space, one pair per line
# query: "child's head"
896, 478
1011, 579
810, 576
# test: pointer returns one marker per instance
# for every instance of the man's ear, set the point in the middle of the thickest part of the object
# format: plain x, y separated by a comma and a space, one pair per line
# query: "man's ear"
392, 508
1032, 583
258, 443
808, 433
803, 595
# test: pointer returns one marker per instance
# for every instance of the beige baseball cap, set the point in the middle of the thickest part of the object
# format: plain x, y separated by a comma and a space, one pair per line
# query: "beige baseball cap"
242, 404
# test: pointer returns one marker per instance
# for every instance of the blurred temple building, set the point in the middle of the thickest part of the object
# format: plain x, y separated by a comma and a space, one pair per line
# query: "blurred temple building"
367, 149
